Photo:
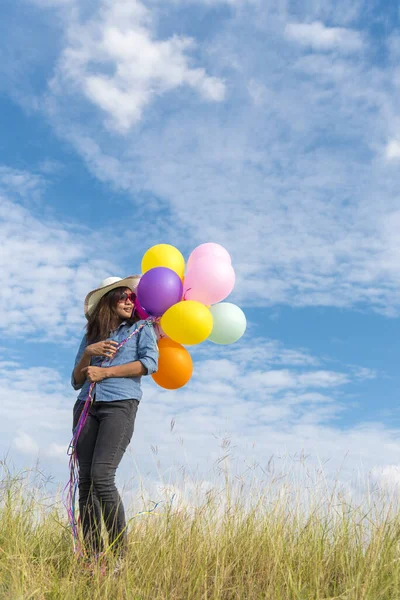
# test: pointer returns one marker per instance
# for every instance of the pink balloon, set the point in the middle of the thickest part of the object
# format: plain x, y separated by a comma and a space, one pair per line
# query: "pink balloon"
211, 250
209, 280
142, 314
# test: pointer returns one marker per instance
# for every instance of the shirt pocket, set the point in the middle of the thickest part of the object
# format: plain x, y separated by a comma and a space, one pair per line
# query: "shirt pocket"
129, 351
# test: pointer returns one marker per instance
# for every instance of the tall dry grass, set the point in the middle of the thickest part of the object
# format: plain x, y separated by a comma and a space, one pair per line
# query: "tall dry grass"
236, 542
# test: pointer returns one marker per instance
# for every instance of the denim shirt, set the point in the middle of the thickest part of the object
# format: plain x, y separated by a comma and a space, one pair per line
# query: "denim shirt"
142, 346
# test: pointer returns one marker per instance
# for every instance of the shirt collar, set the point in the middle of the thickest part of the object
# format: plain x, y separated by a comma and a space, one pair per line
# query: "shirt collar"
119, 326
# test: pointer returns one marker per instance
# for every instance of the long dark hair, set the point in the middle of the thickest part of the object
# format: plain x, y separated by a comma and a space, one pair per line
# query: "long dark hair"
104, 318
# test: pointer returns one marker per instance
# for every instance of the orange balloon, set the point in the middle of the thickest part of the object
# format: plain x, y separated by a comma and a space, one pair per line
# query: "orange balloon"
175, 365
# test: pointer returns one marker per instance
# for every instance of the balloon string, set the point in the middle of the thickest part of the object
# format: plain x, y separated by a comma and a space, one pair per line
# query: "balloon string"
142, 512
160, 332
71, 487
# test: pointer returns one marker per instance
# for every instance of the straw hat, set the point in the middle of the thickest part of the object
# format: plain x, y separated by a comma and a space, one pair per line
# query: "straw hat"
110, 283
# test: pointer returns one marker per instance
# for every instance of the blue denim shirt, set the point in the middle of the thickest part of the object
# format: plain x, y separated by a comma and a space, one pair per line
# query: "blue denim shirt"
142, 346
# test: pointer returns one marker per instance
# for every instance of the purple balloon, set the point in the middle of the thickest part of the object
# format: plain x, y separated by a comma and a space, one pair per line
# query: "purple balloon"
158, 290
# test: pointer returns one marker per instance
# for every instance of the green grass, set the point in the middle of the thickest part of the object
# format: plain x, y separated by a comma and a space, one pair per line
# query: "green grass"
239, 541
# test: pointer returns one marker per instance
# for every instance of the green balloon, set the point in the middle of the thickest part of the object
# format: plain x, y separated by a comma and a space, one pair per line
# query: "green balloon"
229, 323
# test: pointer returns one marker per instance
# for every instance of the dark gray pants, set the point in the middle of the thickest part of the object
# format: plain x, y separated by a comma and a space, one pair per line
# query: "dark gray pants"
100, 448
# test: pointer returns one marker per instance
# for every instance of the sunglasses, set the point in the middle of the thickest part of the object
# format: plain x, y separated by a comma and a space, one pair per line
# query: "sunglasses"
127, 296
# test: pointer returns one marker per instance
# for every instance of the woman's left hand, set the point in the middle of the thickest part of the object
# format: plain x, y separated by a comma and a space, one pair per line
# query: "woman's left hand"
94, 374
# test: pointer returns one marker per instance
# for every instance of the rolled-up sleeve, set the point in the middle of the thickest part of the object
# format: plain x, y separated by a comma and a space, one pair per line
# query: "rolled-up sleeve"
78, 386
148, 349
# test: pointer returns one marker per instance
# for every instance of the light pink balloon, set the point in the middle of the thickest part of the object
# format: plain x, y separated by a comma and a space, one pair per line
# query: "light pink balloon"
211, 250
209, 280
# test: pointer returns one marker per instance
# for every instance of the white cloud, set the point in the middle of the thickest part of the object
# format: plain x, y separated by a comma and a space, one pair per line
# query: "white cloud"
52, 3
55, 450
322, 379
264, 352
114, 60
284, 379
307, 237
387, 477
315, 224
22, 184
258, 92
319, 37
45, 266
25, 444
286, 174
232, 3
392, 150
293, 411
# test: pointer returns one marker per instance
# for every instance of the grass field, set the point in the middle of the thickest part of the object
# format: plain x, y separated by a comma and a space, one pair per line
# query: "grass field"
235, 543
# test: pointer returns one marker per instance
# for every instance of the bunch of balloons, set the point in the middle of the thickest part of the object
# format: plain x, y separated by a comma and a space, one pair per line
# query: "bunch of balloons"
189, 305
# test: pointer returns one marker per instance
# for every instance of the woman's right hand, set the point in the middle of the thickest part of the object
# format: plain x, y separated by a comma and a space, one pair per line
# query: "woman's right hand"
106, 348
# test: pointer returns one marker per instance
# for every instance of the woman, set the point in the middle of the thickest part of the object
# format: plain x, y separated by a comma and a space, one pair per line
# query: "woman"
112, 318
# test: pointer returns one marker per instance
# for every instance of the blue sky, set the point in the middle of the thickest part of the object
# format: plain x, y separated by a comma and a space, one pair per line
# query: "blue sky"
268, 127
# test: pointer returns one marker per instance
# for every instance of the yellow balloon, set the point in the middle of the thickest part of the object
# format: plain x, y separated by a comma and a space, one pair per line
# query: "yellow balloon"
187, 322
164, 255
